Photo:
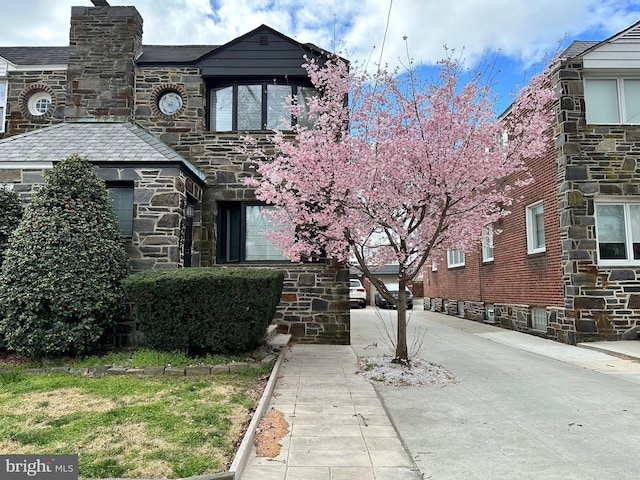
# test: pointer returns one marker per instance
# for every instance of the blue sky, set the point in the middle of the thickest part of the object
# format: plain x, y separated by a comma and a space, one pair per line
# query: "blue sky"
518, 31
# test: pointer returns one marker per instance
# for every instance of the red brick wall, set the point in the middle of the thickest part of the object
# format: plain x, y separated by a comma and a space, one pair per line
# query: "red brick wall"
513, 276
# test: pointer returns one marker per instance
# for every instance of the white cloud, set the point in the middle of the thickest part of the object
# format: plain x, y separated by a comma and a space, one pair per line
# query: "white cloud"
522, 29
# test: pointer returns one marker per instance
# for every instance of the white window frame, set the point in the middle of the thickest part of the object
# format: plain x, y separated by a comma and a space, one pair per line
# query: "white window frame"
4, 93
34, 103
434, 266
594, 116
539, 319
487, 243
455, 258
628, 231
533, 242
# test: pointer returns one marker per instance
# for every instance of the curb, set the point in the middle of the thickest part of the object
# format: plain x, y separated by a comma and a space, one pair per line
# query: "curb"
244, 450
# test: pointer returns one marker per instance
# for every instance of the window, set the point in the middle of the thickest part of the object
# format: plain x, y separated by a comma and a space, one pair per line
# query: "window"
3, 102
434, 266
612, 100
539, 319
39, 103
455, 258
122, 199
490, 313
535, 228
618, 232
242, 229
487, 243
257, 106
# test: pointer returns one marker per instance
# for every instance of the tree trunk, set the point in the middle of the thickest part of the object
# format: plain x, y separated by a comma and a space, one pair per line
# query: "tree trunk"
402, 353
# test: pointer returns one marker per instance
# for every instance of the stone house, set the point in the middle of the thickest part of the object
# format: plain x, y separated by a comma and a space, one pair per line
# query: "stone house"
566, 265
163, 125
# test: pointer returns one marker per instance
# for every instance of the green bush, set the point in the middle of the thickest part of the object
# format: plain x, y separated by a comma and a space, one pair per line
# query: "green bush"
219, 310
60, 285
10, 215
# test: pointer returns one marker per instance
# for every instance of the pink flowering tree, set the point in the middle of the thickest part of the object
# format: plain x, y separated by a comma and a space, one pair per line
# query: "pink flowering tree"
401, 171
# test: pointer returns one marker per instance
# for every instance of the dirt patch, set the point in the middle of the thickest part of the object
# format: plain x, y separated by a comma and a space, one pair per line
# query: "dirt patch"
272, 428
418, 373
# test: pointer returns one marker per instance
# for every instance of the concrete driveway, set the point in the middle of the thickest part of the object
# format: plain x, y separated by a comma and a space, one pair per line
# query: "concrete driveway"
523, 407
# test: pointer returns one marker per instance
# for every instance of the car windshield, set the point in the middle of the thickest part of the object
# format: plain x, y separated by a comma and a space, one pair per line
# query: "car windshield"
394, 288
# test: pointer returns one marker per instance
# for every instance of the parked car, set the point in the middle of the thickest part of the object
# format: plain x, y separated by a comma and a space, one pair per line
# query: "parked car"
357, 294
393, 289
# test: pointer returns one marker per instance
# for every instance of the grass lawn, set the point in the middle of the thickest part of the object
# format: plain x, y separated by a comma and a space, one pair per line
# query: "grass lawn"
128, 426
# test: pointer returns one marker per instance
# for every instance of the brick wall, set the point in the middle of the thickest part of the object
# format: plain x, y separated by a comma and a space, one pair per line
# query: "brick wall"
515, 280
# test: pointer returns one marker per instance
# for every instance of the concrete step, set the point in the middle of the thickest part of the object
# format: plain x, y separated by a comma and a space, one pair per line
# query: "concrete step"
271, 331
279, 340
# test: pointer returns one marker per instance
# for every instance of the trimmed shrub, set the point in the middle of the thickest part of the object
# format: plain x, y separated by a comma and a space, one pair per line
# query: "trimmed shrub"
60, 285
218, 309
10, 215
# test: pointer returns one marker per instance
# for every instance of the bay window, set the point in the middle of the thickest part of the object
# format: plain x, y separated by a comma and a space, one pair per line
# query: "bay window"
257, 106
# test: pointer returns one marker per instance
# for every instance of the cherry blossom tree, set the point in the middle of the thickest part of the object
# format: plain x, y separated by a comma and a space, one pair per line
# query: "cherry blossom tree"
403, 170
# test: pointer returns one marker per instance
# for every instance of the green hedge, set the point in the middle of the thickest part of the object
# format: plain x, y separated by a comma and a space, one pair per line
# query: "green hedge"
219, 309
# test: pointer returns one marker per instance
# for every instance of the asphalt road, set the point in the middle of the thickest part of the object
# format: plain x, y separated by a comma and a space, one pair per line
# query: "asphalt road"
523, 407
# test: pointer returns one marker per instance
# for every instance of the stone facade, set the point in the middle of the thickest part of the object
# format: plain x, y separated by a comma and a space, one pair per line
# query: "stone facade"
595, 161
107, 81
20, 85
103, 45
158, 225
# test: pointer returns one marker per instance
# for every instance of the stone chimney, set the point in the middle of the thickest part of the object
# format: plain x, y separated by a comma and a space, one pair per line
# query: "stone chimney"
104, 42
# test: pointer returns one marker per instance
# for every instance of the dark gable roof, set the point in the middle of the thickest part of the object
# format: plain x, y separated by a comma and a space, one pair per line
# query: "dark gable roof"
151, 54
103, 143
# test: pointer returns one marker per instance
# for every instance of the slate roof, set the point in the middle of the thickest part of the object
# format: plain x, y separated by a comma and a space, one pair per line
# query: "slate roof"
577, 47
376, 270
163, 54
151, 54
35, 55
120, 143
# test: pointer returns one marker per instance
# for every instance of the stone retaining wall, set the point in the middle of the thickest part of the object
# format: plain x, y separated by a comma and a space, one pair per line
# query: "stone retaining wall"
508, 316
159, 370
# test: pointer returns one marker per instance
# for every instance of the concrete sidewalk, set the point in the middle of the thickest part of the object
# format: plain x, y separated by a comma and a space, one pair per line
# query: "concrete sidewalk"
339, 429
629, 349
